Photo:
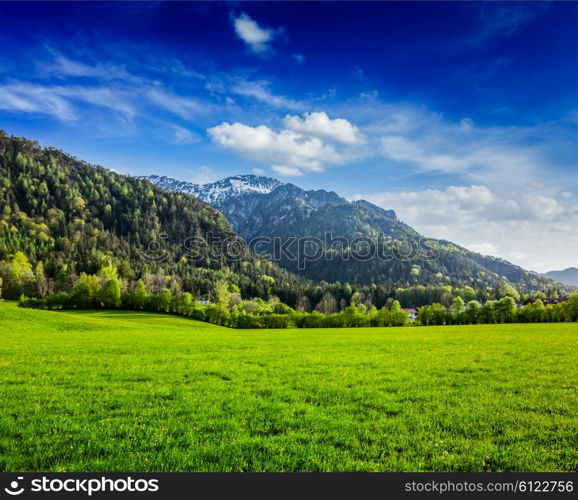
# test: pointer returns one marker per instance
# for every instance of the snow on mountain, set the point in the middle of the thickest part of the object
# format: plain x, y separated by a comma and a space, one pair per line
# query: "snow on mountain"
219, 192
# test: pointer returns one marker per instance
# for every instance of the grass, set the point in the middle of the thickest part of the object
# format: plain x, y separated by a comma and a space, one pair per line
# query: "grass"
126, 391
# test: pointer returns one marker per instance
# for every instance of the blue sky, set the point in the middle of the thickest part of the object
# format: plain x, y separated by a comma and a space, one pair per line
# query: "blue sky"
462, 117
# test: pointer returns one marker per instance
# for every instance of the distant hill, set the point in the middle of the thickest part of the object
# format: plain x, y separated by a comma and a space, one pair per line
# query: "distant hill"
567, 276
260, 206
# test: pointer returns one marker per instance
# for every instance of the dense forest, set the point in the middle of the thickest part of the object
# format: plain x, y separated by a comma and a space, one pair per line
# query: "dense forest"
60, 217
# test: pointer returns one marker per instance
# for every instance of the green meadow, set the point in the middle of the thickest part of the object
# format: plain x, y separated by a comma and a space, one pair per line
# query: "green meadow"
127, 391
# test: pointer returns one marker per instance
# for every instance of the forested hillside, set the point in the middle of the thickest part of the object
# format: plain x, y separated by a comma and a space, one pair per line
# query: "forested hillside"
60, 217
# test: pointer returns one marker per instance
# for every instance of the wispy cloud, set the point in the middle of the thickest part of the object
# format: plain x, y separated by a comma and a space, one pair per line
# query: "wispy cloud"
505, 18
468, 204
300, 58
58, 101
64, 67
260, 90
184, 107
29, 98
183, 136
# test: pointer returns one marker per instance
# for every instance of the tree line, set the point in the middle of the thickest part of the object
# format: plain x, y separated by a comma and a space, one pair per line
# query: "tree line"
18, 275
504, 310
104, 290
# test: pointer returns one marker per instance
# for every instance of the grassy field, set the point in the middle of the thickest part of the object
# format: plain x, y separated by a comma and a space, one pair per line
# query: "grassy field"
121, 391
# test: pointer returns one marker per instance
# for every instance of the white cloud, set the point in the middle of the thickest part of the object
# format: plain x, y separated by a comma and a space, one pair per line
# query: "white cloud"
517, 226
519, 255
539, 207
289, 152
457, 204
257, 171
183, 136
318, 124
513, 156
300, 58
414, 141
256, 37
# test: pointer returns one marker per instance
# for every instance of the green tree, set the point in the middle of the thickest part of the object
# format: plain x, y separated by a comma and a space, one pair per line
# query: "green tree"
399, 317
41, 281
140, 295
164, 299
508, 290
457, 310
185, 304
17, 276
222, 294
506, 310
110, 294
571, 308
85, 293
473, 310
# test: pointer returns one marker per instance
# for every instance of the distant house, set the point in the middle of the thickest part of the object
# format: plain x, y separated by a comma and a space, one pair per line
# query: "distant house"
204, 301
412, 314
546, 302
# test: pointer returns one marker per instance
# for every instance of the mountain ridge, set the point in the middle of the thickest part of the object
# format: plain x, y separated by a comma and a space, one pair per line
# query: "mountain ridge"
568, 276
288, 212
214, 192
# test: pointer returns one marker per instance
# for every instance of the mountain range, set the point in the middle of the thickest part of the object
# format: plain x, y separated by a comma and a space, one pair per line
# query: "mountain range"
399, 256
567, 276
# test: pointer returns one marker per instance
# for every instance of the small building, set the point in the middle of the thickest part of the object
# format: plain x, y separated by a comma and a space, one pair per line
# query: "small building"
412, 314
546, 302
